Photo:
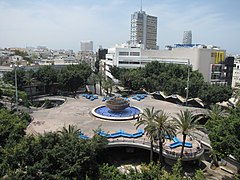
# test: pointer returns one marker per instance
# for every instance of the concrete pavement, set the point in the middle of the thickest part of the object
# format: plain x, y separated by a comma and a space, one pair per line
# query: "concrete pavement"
77, 112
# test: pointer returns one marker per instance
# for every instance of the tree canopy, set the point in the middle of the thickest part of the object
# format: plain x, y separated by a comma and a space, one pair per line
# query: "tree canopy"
12, 127
224, 134
47, 75
171, 79
70, 78
52, 156
74, 76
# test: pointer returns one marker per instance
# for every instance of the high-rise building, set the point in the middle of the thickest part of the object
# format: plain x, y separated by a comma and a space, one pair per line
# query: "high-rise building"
143, 30
86, 46
187, 37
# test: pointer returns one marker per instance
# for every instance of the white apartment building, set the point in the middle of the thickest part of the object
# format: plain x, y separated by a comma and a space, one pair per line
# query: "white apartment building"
16, 58
143, 30
236, 74
203, 59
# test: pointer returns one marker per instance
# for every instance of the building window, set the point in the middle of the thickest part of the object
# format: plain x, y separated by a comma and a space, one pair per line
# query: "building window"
134, 53
123, 62
134, 62
215, 76
129, 62
123, 53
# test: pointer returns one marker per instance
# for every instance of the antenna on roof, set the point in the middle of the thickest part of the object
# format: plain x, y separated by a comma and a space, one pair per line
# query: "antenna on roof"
141, 7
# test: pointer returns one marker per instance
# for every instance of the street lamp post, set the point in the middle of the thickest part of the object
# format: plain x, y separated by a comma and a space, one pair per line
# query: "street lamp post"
187, 88
16, 89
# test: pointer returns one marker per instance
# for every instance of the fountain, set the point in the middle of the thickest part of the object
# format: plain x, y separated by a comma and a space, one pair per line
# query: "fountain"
117, 104
117, 108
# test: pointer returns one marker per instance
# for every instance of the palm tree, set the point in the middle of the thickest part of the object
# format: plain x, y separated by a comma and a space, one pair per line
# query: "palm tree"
185, 122
69, 132
146, 120
108, 86
214, 114
163, 126
100, 78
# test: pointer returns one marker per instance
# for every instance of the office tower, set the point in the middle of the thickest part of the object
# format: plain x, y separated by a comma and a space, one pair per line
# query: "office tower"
187, 37
86, 46
143, 30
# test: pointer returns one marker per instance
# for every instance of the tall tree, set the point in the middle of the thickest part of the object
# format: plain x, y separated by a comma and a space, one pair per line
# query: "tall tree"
100, 78
47, 75
223, 132
108, 86
93, 79
74, 76
147, 120
185, 121
163, 127
225, 135
116, 71
9, 77
29, 81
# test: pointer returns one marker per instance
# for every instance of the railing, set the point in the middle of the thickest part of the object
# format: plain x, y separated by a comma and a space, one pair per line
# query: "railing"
186, 155
167, 153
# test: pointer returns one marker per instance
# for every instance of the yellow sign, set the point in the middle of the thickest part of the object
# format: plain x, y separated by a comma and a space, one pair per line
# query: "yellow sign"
219, 57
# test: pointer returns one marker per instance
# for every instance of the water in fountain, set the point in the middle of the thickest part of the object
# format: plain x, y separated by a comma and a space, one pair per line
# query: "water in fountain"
117, 108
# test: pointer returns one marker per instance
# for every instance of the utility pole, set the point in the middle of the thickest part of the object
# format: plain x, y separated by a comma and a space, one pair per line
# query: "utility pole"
16, 89
187, 88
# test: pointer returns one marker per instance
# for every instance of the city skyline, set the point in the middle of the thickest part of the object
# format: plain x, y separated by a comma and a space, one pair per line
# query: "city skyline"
64, 24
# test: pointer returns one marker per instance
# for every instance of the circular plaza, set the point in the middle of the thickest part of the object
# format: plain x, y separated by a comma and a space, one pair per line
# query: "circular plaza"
78, 111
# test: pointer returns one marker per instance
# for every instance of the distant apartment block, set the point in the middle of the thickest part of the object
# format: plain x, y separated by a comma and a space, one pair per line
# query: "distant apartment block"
88, 57
143, 30
187, 37
236, 74
86, 46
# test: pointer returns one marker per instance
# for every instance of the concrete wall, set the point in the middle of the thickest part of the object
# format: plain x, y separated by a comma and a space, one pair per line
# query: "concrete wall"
200, 59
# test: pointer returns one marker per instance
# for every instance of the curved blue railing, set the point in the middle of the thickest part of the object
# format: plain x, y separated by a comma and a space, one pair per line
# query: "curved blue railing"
119, 133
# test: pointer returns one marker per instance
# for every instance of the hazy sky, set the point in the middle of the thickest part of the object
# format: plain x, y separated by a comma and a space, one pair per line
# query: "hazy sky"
64, 23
